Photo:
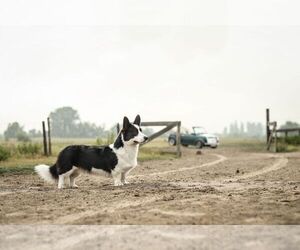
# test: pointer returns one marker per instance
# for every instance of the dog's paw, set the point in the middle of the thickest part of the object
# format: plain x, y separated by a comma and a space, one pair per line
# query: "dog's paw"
117, 184
74, 186
126, 182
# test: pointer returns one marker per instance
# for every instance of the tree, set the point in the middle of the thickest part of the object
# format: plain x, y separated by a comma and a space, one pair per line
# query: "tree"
290, 124
34, 133
14, 130
90, 130
225, 131
234, 129
255, 129
64, 121
242, 129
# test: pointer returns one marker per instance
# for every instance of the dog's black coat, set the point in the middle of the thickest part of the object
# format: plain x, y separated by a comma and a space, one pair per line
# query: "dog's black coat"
84, 157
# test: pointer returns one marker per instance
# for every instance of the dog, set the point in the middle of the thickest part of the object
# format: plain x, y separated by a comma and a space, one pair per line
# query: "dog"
115, 160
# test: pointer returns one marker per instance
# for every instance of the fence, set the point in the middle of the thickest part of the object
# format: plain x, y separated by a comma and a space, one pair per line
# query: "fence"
168, 126
272, 133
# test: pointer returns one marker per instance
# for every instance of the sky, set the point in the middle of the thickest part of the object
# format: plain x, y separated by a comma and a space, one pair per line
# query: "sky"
205, 63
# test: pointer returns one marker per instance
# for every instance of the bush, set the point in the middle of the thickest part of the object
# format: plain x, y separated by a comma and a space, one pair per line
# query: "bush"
23, 137
293, 140
29, 149
4, 153
282, 148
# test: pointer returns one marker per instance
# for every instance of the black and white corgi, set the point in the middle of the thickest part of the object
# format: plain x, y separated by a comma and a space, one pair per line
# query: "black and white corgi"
115, 160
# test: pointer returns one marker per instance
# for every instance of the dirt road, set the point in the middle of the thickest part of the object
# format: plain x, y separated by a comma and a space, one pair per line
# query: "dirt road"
222, 186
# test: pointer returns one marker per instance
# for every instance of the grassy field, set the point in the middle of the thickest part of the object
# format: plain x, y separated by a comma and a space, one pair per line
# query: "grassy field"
257, 144
23, 164
247, 144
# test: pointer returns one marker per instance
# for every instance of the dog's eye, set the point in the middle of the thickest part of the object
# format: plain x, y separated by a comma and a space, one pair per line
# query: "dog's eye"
141, 130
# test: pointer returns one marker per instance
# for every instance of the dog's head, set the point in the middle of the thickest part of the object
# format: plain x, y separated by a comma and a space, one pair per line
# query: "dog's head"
132, 133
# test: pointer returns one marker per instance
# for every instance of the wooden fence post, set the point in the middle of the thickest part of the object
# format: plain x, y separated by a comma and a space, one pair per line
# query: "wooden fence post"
268, 132
118, 128
49, 137
275, 140
45, 139
178, 140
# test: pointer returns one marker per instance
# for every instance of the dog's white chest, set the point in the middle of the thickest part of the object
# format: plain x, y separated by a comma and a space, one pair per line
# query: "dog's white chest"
127, 157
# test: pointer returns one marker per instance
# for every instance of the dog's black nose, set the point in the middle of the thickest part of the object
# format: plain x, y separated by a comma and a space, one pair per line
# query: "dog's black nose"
146, 138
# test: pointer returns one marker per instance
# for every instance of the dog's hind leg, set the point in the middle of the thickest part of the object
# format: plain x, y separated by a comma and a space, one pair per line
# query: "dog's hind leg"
72, 178
61, 181
67, 181
65, 177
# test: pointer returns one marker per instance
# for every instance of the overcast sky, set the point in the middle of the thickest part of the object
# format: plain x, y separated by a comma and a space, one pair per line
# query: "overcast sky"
202, 62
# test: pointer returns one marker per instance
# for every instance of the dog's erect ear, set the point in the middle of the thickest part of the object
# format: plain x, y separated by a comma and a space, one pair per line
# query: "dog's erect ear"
137, 120
125, 123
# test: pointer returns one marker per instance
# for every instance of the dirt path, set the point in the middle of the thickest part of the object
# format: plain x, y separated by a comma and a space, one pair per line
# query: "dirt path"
222, 186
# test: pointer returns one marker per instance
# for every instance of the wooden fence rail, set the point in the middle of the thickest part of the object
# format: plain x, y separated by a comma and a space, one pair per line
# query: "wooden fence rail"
168, 126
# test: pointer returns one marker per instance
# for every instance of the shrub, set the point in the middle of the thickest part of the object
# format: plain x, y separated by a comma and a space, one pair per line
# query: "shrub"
23, 137
293, 140
282, 148
4, 153
29, 149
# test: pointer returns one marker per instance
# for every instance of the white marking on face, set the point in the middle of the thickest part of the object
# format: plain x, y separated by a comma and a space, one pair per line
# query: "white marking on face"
140, 137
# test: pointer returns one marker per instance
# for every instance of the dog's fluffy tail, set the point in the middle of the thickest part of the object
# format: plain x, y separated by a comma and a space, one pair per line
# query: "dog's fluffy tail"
47, 173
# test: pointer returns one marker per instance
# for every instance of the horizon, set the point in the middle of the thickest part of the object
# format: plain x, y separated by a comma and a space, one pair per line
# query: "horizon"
227, 127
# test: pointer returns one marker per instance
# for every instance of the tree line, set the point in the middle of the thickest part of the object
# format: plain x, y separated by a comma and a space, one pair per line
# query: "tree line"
65, 123
252, 129
248, 129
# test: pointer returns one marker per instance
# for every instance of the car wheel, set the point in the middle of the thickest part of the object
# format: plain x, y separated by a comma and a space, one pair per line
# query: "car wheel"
214, 147
185, 145
199, 144
172, 141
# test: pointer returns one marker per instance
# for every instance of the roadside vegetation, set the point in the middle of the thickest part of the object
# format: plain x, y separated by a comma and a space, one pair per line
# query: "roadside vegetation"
20, 157
288, 144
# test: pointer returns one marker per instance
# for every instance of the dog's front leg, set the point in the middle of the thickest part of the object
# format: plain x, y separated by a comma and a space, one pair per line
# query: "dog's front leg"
117, 176
123, 178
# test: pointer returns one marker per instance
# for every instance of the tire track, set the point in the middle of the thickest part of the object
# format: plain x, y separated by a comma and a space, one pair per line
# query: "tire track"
232, 183
221, 158
177, 213
281, 163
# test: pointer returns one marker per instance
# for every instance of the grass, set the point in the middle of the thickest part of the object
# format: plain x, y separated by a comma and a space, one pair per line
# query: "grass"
23, 165
259, 145
244, 144
16, 170
20, 164
154, 153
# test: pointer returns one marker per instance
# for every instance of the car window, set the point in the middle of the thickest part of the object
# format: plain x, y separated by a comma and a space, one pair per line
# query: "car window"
199, 130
